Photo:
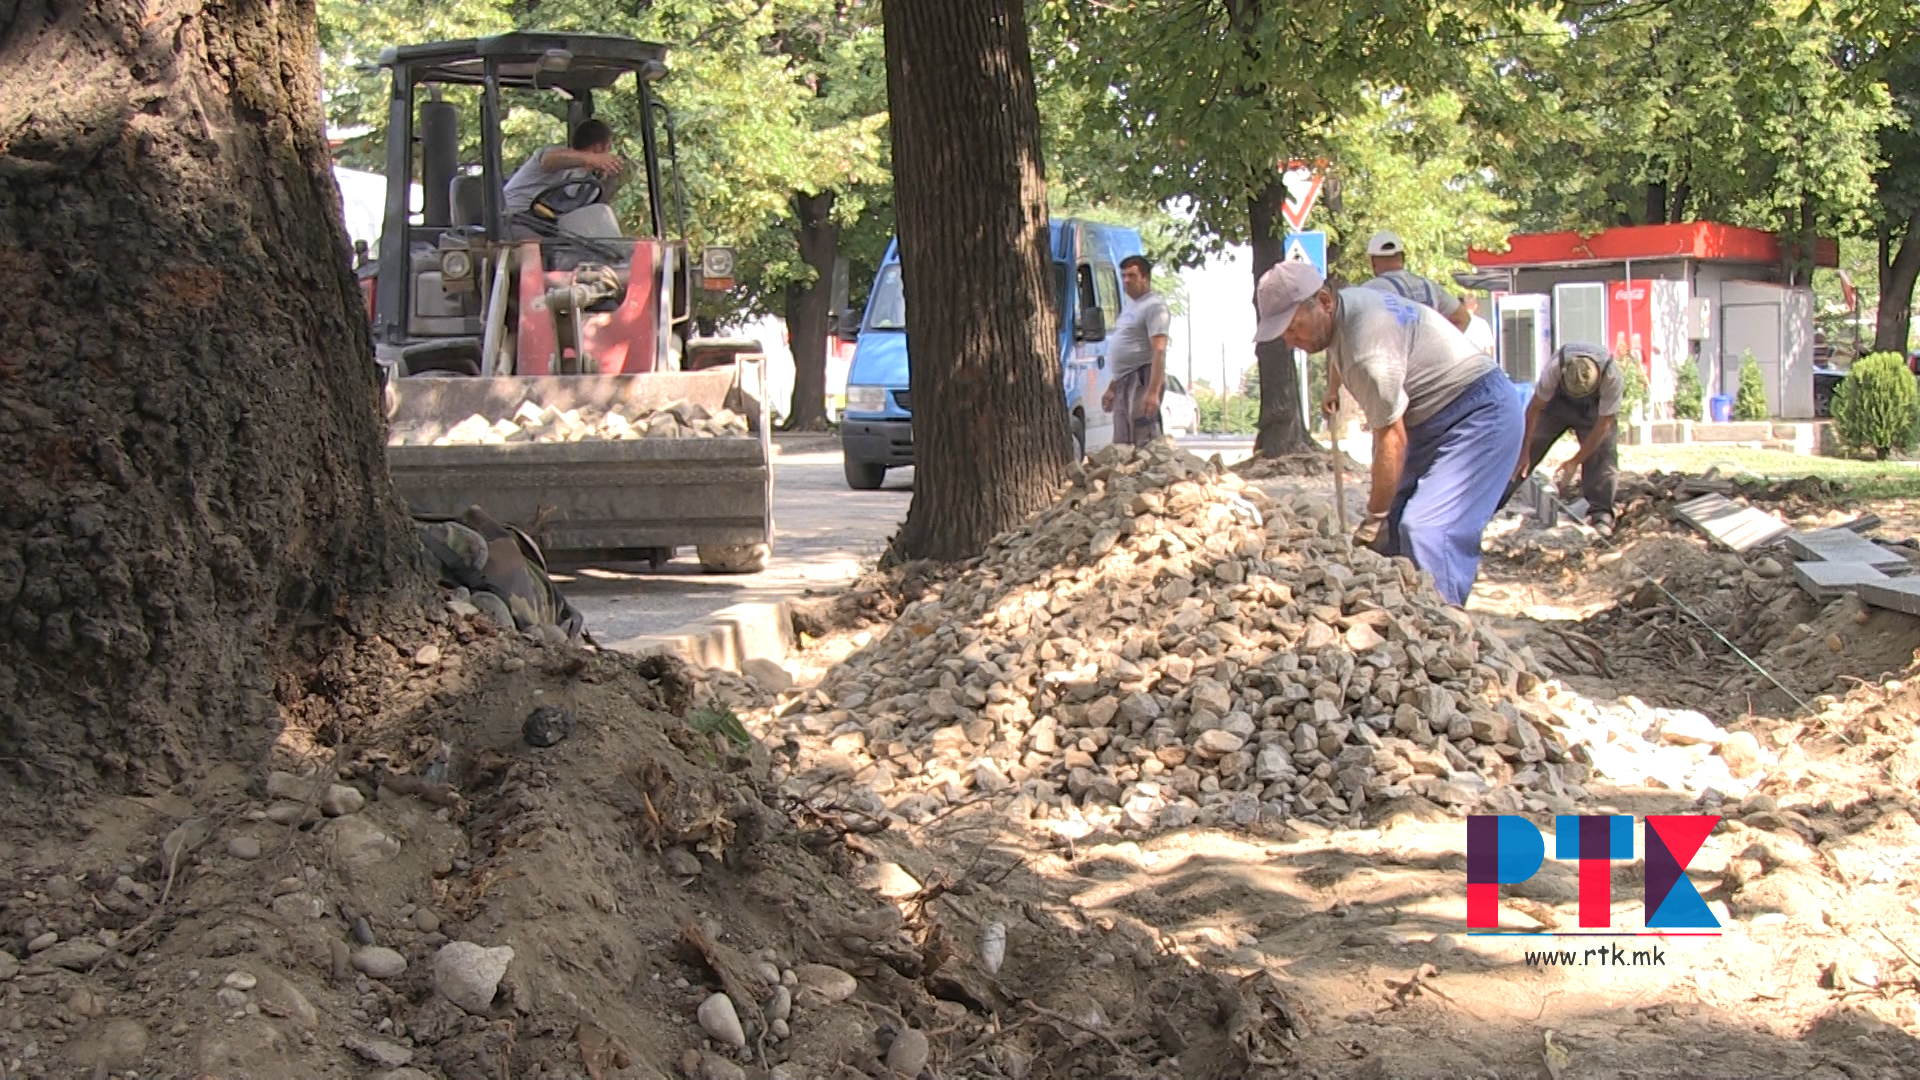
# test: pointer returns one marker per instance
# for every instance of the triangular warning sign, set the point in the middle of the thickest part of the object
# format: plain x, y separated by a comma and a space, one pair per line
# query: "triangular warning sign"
1303, 190
1297, 252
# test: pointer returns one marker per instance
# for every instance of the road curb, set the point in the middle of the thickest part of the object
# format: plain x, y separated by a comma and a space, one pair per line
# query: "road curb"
728, 638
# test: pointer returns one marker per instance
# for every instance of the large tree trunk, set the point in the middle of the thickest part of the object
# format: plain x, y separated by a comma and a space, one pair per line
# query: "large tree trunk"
188, 407
990, 419
1899, 268
1283, 428
807, 310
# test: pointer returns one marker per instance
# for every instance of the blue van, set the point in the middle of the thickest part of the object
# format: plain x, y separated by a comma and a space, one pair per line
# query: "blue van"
876, 428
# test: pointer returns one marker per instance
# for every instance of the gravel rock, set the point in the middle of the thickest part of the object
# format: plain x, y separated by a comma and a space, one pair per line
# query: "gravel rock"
379, 1052
243, 847
720, 1021
1167, 645
1741, 752
547, 725
341, 800
379, 962
241, 980
469, 975
822, 984
532, 422
427, 655
908, 1054
426, 921
358, 844
9, 966
77, 955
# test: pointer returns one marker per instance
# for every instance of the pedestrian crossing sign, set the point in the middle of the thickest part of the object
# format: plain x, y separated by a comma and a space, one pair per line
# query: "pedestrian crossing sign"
1307, 247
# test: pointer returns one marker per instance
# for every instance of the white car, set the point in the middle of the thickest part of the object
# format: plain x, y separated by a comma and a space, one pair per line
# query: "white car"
1178, 413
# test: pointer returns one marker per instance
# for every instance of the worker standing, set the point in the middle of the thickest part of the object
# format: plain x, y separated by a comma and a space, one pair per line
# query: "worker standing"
1388, 256
1446, 422
1578, 390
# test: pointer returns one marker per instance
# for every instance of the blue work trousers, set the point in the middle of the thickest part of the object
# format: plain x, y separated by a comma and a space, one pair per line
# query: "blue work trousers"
1458, 464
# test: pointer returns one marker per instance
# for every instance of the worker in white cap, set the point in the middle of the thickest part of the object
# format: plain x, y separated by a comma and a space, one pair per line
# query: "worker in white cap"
1447, 425
1388, 255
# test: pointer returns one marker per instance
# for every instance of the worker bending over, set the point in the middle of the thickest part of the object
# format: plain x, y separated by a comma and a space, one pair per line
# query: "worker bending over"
1446, 421
1578, 390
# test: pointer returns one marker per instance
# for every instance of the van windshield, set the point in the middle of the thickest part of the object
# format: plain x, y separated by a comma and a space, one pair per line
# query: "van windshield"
889, 310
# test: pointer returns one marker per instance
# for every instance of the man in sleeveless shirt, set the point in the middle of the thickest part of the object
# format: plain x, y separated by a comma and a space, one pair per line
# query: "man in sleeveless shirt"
1388, 254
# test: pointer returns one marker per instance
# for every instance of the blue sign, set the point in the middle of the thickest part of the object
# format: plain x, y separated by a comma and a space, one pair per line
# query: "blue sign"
1307, 247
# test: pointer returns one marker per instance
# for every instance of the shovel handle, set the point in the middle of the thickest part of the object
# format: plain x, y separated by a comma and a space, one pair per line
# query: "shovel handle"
1339, 477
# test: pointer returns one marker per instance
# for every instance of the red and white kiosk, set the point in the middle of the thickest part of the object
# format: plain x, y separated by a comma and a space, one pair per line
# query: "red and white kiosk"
1697, 293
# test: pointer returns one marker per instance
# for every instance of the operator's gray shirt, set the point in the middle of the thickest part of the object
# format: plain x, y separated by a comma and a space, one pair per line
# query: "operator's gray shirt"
1418, 289
532, 178
1400, 359
1130, 339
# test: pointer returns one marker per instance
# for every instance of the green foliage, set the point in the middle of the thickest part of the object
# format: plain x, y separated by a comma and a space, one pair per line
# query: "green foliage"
1720, 110
715, 718
1633, 384
1407, 163
1877, 406
1750, 400
1165, 93
1688, 402
1236, 414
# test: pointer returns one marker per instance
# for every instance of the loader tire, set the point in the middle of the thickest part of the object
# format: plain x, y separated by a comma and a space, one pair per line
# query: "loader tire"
734, 558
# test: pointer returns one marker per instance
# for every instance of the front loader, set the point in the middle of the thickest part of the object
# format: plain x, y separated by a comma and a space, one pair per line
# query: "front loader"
543, 365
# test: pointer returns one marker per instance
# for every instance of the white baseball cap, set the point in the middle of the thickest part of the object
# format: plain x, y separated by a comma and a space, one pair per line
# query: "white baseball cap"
1281, 291
1385, 243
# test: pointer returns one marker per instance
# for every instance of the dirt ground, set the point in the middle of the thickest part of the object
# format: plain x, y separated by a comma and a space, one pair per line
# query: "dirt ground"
232, 926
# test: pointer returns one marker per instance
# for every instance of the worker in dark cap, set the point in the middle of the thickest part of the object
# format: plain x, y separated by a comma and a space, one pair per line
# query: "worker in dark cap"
1578, 390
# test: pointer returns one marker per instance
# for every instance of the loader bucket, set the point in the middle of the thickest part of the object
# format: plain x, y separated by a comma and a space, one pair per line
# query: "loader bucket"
589, 495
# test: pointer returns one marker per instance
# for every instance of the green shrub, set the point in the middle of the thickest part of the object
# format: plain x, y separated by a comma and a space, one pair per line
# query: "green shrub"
1687, 393
1633, 384
1876, 406
1236, 415
1750, 401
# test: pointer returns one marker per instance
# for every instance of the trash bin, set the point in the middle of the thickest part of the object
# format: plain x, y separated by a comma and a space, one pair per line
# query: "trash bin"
1720, 408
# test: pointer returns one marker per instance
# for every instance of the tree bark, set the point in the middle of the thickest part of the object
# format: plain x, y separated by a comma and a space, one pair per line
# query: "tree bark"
807, 310
1899, 268
1283, 428
989, 414
188, 406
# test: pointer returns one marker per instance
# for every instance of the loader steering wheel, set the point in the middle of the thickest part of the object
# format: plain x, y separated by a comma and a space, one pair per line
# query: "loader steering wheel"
567, 196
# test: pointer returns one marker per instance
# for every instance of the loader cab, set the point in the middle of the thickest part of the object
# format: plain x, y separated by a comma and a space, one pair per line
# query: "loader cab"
876, 431
462, 288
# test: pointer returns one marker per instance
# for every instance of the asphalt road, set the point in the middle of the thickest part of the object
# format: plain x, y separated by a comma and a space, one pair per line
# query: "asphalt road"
825, 535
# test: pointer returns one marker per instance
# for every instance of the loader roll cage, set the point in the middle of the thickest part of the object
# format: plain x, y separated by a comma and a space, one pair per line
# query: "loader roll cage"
576, 66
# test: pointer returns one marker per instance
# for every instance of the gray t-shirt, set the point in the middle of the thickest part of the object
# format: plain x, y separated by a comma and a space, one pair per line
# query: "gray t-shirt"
1612, 384
1130, 339
1399, 358
532, 178
1417, 289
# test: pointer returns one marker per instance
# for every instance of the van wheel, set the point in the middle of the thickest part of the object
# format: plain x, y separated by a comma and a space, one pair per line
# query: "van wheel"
865, 475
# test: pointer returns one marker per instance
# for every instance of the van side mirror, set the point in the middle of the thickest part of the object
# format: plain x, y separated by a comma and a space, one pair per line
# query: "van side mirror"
847, 326
1090, 325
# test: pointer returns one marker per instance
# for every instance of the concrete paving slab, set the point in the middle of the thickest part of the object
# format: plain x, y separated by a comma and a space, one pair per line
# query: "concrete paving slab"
1844, 545
1734, 527
1900, 594
1826, 580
